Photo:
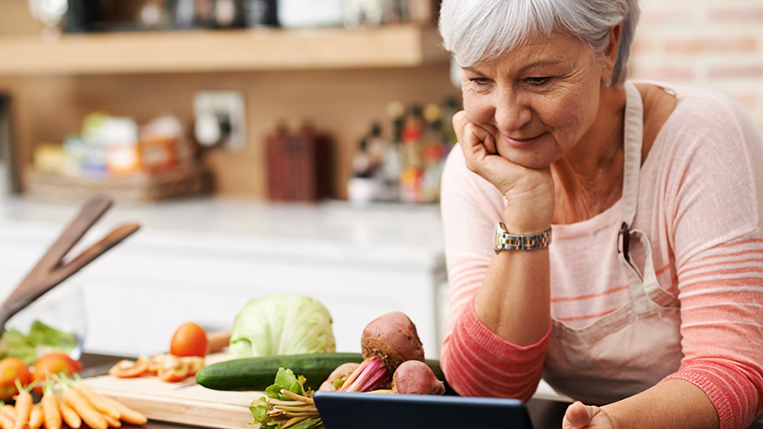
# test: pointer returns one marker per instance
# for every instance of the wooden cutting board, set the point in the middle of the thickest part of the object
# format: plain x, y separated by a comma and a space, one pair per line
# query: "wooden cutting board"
185, 402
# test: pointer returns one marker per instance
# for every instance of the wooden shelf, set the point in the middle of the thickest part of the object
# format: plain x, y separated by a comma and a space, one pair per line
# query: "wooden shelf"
405, 45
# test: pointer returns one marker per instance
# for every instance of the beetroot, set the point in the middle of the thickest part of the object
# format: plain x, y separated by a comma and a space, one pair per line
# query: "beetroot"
393, 338
416, 377
387, 341
338, 376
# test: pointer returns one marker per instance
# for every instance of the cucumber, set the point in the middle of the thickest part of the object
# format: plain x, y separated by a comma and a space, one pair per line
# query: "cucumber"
257, 373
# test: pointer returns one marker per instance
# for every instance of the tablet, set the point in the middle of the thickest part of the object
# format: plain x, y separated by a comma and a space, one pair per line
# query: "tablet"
342, 410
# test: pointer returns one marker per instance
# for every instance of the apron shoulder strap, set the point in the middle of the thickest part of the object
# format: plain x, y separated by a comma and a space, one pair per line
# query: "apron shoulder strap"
633, 130
633, 137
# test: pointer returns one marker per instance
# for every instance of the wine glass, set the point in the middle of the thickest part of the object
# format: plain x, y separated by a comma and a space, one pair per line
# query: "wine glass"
51, 14
54, 322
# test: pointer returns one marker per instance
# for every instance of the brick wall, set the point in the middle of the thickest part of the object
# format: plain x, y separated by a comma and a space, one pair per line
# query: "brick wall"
716, 44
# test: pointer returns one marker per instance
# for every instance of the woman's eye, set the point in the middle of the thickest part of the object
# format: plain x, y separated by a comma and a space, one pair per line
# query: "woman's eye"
479, 80
537, 81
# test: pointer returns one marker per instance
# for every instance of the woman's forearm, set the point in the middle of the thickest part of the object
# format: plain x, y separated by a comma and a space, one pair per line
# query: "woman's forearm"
670, 404
514, 298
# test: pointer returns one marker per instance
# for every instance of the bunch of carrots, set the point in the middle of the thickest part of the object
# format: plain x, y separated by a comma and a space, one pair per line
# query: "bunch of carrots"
69, 402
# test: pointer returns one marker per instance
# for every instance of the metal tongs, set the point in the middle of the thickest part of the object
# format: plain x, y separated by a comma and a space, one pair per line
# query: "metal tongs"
52, 269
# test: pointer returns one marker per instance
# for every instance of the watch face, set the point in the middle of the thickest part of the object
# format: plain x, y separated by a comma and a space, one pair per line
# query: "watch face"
497, 243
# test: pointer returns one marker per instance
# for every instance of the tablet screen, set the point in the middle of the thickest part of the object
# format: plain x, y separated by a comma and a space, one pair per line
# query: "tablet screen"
342, 410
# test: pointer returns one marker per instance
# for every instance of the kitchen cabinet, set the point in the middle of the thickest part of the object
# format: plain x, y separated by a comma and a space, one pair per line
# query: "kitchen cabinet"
340, 80
203, 259
403, 45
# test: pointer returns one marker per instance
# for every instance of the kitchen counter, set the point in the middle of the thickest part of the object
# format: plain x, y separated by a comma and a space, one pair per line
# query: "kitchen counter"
545, 412
202, 259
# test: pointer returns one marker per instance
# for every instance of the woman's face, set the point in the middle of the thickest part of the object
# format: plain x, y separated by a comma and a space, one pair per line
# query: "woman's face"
538, 100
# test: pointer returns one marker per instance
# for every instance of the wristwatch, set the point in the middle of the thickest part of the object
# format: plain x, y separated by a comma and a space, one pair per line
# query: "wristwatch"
504, 241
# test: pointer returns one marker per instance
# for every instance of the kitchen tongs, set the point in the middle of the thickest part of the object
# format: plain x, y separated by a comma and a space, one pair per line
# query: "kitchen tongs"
52, 269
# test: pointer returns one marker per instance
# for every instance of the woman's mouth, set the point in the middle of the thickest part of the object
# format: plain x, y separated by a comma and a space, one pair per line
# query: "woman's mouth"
522, 142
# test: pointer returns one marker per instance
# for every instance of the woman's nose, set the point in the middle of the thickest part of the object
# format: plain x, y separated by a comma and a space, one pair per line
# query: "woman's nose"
511, 112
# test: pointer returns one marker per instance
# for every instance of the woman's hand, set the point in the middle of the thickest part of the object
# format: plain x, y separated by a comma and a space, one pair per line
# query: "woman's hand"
580, 416
529, 193
478, 145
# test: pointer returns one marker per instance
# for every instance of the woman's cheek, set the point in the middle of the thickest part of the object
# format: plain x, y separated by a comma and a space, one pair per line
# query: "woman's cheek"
478, 107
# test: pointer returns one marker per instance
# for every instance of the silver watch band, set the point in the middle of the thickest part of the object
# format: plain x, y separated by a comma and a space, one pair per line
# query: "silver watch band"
505, 241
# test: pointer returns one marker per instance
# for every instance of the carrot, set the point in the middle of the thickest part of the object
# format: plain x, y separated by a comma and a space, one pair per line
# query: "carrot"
5, 421
97, 402
9, 410
35, 417
114, 423
51, 411
24, 402
89, 415
70, 417
129, 415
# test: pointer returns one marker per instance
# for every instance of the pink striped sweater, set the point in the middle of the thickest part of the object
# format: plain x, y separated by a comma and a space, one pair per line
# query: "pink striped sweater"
701, 205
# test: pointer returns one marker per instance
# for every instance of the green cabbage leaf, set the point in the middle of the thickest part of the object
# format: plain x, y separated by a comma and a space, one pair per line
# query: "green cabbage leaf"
281, 324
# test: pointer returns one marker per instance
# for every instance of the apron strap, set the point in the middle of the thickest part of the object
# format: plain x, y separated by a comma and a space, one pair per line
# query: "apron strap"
633, 135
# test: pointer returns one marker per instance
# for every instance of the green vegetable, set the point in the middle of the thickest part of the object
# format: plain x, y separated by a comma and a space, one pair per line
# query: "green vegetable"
286, 404
256, 374
41, 339
281, 324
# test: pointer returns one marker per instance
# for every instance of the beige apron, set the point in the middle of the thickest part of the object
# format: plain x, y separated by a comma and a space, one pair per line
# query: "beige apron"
633, 348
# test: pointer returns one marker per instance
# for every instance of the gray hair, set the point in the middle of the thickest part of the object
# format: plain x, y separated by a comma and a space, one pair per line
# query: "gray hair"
477, 31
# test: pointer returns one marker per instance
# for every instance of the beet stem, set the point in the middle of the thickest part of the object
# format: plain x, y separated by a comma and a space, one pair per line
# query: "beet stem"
371, 376
354, 375
297, 397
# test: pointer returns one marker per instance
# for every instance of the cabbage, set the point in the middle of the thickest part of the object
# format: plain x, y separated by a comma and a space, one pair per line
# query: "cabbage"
281, 324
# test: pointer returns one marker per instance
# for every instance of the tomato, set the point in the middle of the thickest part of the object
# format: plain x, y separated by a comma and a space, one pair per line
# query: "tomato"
154, 362
195, 363
190, 339
55, 363
12, 369
128, 369
173, 369
51, 364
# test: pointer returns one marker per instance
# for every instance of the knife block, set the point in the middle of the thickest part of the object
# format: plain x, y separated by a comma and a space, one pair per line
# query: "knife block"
299, 165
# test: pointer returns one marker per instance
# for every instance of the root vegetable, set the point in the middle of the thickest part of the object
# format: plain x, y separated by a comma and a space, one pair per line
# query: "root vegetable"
393, 338
338, 376
70, 417
387, 342
24, 402
79, 404
415, 377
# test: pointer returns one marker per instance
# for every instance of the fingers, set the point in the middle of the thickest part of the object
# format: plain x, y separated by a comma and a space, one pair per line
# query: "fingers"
578, 416
459, 123
466, 129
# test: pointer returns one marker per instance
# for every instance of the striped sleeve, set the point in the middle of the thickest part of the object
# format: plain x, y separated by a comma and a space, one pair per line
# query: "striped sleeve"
715, 219
479, 363
721, 293
476, 361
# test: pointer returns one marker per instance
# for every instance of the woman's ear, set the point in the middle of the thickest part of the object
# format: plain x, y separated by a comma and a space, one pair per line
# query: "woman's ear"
609, 56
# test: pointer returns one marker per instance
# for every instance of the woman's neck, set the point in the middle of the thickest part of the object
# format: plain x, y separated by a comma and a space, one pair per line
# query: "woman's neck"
588, 179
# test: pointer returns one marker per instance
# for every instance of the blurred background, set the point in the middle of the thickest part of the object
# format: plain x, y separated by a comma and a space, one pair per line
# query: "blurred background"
268, 145
226, 78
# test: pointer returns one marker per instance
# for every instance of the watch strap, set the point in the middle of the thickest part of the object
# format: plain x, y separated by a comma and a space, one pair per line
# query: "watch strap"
505, 241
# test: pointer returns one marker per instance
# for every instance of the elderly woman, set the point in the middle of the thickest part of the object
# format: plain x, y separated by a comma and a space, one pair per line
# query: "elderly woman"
601, 234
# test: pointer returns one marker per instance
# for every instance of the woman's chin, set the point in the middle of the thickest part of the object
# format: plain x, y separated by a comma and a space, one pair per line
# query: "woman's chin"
529, 160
